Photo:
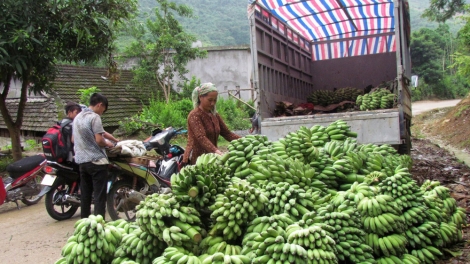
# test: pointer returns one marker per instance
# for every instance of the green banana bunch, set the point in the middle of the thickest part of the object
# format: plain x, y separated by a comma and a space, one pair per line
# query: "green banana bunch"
262, 223
356, 193
342, 215
387, 246
200, 183
242, 150
92, 241
221, 258
161, 211
427, 254
322, 97
237, 206
211, 245
276, 169
443, 208
450, 233
292, 199
319, 136
378, 98
339, 130
177, 255
318, 242
403, 189
381, 215
374, 178
426, 234
410, 259
348, 94
299, 145
139, 246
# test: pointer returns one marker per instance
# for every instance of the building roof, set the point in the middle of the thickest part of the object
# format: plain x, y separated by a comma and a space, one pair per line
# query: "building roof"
124, 100
43, 111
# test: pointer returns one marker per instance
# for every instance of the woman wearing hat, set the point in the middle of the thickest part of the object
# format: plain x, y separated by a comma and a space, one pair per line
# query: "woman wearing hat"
205, 124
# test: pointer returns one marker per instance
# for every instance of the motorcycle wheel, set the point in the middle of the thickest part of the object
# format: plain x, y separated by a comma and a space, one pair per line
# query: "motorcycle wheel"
30, 200
118, 207
54, 207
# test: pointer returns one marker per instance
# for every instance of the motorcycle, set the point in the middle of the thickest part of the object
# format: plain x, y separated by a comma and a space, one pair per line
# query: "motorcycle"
132, 181
23, 181
61, 187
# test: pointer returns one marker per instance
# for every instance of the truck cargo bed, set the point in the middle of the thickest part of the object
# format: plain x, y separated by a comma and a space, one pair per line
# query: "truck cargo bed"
377, 126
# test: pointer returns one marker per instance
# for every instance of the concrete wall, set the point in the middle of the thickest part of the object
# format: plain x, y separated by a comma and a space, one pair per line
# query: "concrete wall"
227, 67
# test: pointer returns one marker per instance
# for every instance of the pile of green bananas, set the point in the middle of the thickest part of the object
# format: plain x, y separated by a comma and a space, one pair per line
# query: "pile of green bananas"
200, 183
161, 211
377, 99
139, 246
91, 242
241, 151
235, 208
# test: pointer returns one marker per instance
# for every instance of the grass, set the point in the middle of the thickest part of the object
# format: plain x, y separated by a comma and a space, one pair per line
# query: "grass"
461, 109
5, 161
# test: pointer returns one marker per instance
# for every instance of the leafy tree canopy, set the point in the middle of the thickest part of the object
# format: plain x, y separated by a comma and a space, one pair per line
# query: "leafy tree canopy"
442, 10
34, 34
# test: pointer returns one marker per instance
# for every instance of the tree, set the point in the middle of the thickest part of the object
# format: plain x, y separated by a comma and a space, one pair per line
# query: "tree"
426, 53
163, 47
35, 34
442, 10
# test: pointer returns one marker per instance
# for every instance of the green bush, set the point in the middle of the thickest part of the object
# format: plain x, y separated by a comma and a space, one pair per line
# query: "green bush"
234, 116
4, 161
175, 114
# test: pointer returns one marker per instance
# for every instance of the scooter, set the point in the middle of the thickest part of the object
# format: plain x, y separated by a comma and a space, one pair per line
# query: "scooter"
23, 181
132, 179
61, 187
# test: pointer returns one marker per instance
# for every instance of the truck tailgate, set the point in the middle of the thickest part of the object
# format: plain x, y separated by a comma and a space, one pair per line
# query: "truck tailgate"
377, 126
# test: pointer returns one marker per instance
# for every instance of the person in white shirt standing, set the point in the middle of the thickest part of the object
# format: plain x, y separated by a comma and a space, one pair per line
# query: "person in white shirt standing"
90, 140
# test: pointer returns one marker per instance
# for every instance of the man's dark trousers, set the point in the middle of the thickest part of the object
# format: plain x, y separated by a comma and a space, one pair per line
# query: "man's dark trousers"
93, 181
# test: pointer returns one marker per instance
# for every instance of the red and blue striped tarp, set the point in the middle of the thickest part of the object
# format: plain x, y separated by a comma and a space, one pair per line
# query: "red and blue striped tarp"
338, 28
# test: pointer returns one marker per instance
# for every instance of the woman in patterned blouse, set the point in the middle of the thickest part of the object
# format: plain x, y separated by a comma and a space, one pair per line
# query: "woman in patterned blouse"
205, 124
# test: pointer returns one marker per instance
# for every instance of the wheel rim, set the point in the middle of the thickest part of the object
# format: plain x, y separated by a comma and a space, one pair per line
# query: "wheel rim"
34, 198
60, 207
122, 206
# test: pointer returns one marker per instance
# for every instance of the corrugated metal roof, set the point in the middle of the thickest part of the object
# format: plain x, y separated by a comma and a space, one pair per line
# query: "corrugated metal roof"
333, 26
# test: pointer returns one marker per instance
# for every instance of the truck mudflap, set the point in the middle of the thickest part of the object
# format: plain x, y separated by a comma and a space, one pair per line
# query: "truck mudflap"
377, 126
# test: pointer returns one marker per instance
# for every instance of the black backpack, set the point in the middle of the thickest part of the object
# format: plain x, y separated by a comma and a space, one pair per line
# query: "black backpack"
55, 145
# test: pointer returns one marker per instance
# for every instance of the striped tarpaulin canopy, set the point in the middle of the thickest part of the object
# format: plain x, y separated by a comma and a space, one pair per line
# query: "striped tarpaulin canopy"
339, 28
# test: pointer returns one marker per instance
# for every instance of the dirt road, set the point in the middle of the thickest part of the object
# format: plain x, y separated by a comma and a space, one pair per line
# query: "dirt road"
30, 235
423, 106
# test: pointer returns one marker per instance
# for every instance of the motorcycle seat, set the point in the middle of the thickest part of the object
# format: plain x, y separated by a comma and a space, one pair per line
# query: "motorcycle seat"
22, 166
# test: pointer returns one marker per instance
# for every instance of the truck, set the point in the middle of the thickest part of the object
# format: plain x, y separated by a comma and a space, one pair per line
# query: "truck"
298, 47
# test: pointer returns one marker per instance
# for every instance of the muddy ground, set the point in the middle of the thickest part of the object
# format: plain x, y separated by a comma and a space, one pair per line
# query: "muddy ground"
30, 236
